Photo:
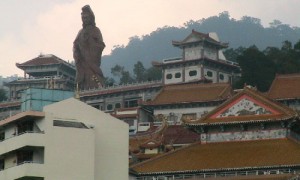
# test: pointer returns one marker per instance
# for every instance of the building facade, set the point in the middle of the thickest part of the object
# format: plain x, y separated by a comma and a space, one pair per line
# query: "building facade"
44, 71
202, 60
247, 137
77, 142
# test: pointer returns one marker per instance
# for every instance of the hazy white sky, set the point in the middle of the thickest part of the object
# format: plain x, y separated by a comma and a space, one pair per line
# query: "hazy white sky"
31, 27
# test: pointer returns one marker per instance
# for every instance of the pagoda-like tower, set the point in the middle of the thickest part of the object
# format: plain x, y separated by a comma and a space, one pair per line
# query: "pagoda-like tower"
202, 60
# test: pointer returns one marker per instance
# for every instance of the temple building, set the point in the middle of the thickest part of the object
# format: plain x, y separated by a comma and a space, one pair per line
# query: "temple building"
249, 136
188, 100
44, 71
202, 61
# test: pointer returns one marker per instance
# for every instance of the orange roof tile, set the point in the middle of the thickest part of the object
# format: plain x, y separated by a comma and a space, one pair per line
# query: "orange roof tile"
178, 134
187, 93
224, 156
267, 110
285, 87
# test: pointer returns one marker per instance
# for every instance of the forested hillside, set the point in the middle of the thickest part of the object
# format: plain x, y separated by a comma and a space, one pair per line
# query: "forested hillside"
244, 32
262, 52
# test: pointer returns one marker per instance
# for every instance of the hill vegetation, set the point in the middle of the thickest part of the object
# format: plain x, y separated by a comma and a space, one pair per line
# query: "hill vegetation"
249, 43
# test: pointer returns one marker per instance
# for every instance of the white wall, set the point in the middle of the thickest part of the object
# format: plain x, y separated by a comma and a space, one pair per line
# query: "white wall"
111, 138
173, 72
192, 68
192, 53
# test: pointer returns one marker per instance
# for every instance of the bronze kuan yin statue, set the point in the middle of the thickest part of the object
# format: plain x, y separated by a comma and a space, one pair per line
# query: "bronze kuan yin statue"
87, 52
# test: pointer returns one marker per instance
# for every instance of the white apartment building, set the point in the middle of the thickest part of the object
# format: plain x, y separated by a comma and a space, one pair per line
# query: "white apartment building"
68, 140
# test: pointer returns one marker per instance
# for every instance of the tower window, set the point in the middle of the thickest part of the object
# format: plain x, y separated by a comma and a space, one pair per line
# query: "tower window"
178, 75
169, 76
193, 73
209, 73
221, 76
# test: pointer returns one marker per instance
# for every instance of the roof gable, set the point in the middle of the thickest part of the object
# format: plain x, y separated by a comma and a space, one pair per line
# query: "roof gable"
244, 106
247, 105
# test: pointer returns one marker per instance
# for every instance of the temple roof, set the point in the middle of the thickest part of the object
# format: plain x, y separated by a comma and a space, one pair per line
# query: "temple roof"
248, 105
43, 60
224, 156
188, 93
285, 87
196, 37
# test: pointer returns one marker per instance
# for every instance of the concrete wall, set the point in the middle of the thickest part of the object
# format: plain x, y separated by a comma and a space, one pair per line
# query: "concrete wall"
111, 138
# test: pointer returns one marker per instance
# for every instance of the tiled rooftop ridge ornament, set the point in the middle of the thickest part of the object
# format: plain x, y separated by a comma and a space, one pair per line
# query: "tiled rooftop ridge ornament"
87, 52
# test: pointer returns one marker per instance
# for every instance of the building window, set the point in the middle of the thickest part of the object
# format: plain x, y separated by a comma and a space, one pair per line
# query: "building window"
178, 75
193, 73
169, 76
26, 126
221, 76
109, 107
1, 164
69, 124
24, 156
209, 73
118, 105
131, 103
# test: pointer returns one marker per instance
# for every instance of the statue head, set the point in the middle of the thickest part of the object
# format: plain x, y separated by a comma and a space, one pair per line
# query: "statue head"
87, 16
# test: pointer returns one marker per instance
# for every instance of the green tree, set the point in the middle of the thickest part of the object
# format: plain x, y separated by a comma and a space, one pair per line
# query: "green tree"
126, 78
139, 71
153, 73
257, 69
109, 81
117, 70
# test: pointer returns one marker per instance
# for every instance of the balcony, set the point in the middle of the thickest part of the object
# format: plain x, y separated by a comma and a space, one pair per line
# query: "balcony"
27, 138
25, 170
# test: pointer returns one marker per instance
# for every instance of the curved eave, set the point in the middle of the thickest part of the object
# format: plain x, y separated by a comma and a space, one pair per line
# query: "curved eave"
199, 59
211, 170
186, 102
183, 44
237, 122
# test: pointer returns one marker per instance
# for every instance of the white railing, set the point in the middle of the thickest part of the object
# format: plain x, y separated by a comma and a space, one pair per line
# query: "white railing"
135, 84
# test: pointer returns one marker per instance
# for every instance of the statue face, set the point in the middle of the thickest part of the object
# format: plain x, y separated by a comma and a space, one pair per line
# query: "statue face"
86, 18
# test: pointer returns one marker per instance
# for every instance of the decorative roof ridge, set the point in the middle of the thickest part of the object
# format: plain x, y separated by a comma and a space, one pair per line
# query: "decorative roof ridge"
252, 93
